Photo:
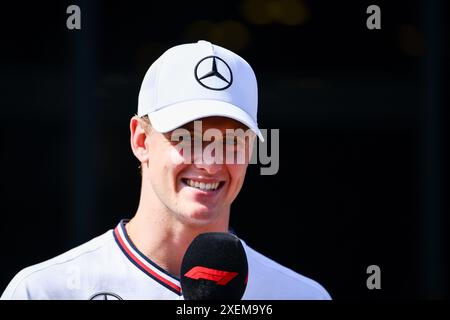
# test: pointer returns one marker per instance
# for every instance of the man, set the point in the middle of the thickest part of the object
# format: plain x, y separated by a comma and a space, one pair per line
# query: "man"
192, 90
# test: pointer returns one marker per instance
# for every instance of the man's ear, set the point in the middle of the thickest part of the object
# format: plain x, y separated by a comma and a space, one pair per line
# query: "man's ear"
138, 136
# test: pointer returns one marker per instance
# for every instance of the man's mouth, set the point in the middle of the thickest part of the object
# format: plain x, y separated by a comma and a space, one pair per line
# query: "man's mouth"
204, 186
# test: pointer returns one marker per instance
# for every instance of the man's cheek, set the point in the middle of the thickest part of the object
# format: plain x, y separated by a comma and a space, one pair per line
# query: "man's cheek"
179, 156
237, 172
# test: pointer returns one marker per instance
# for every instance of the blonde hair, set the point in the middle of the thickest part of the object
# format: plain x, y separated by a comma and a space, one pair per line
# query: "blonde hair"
144, 121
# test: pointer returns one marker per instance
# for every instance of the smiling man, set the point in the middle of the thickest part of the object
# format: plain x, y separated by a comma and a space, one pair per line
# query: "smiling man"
197, 115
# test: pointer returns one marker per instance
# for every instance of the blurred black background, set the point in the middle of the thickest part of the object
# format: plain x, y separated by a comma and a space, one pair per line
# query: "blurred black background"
360, 114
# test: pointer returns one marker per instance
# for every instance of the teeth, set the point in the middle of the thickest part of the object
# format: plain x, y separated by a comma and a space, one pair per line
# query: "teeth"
202, 185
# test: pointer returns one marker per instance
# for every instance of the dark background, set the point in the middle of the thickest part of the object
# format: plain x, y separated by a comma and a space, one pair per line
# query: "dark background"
360, 114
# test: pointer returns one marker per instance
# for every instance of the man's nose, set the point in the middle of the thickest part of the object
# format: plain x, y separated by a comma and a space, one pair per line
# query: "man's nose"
210, 168
210, 164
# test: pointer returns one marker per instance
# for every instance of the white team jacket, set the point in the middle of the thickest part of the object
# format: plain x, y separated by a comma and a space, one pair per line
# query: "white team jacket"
111, 267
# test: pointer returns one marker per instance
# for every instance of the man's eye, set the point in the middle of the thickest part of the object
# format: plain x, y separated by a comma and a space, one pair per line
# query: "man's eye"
232, 141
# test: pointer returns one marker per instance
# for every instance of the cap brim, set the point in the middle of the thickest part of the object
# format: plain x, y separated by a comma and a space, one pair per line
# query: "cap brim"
176, 115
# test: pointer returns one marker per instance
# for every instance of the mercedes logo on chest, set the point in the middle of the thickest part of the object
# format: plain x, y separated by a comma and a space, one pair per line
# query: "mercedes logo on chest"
213, 73
105, 296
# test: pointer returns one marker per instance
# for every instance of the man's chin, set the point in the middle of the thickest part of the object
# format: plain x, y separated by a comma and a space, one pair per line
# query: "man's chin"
200, 216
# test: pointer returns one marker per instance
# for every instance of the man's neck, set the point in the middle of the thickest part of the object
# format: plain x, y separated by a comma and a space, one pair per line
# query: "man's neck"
163, 239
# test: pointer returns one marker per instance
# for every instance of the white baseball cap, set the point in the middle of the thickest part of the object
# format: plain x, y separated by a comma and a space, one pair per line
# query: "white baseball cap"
198, 80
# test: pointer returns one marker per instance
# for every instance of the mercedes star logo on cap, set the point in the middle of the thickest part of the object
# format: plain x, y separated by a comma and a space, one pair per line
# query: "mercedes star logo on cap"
213, 73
